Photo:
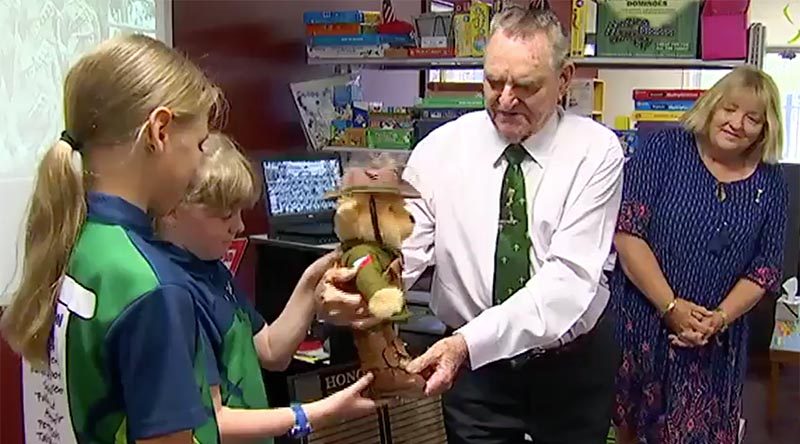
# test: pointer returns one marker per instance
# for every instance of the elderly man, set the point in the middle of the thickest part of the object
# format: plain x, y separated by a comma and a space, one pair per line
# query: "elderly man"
518, 209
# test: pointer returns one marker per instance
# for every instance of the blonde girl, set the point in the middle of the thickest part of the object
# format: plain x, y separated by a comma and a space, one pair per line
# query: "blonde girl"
107, 323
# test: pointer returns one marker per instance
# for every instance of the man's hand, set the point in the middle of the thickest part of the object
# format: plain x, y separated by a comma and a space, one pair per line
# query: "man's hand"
339, 303
441, 362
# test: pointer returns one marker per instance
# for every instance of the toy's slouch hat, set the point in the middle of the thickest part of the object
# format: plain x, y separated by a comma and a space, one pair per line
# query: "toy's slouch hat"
381, 176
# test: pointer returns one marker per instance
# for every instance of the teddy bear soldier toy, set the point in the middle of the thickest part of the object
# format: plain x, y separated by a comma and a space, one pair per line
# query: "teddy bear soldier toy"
371, 222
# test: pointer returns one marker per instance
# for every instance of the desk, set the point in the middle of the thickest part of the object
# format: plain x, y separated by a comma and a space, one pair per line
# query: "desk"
784, 350
281, 243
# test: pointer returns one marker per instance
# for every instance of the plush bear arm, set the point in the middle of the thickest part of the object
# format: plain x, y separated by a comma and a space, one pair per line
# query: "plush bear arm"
370, 277
373, 282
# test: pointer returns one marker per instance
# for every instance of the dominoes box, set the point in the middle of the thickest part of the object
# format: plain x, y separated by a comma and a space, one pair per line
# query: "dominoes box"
647, 28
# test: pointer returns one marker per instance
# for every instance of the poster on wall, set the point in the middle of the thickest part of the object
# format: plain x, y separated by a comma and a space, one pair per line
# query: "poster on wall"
316, 102
39, 42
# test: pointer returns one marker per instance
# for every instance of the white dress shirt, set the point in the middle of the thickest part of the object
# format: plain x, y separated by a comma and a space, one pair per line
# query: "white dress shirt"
574, 187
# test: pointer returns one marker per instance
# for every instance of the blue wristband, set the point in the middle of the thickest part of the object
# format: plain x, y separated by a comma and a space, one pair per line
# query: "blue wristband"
301, 427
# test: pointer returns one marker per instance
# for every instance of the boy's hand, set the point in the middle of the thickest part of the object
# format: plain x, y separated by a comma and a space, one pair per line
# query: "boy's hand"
339, 303
345, 404
313, 274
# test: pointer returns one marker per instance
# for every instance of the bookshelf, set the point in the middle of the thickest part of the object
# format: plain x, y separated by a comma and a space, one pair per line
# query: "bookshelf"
477, 63
361, 149
351, 64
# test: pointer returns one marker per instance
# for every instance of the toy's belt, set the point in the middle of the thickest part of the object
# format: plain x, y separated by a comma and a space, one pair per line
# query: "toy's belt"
373, 212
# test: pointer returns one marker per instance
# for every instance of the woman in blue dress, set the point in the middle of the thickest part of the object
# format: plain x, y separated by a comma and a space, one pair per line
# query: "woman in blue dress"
700, 240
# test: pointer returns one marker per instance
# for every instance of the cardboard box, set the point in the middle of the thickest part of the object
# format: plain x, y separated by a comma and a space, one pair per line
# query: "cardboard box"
342, 134
461, 6
580, 19
724, 29
432, 25
480, 16
329, 17
401, 139
648, 28
463, 35
333, 29
434, 42
788, 309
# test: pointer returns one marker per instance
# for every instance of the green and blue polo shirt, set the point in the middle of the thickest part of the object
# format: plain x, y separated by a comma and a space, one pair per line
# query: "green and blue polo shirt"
230, 323
128, 350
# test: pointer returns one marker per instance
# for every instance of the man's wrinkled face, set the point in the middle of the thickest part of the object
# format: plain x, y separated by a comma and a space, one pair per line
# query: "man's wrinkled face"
521, 87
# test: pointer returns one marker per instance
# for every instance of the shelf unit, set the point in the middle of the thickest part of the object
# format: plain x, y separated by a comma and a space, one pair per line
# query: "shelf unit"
366, 150
477, 63
342, 65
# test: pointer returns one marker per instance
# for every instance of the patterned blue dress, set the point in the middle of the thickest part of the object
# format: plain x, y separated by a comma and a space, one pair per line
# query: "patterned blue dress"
704, 245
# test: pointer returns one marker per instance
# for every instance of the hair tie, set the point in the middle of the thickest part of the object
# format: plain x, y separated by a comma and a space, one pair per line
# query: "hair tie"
71, 141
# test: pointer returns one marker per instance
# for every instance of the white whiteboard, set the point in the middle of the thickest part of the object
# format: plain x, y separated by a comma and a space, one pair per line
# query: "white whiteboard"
39, 40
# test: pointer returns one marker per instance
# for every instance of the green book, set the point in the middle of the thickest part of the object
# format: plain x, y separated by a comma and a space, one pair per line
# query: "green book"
452, 102
648, 28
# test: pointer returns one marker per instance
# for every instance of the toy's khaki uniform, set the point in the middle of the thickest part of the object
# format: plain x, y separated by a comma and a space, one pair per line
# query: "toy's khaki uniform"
380, 349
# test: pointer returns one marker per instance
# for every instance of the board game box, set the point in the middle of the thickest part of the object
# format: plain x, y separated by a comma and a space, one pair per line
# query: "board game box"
647, 28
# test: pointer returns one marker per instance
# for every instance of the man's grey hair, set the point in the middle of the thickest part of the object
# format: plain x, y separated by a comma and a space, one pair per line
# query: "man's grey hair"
524, 23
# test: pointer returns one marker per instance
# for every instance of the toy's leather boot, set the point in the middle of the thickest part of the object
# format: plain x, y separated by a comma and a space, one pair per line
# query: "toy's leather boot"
383, 353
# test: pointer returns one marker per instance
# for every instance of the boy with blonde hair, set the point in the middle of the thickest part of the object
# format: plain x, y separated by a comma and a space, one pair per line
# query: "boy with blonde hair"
239, 341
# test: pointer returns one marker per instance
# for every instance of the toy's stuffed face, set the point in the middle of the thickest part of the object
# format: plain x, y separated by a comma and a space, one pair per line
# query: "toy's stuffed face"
353, 219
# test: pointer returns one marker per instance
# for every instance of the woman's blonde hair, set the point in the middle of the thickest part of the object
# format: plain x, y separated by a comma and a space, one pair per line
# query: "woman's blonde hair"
227, 180
699, 117
108, 96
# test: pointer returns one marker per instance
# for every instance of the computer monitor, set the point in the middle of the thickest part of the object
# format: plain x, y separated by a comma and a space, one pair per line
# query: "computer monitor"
295, 185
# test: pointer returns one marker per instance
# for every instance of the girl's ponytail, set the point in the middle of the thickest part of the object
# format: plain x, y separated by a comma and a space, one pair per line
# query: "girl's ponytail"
56, 214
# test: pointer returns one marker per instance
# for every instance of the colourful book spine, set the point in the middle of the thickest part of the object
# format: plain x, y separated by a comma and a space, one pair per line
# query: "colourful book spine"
663, 105
657, 116
667, 94
317, 17
333, 29
361, 40
452, 102
580, 14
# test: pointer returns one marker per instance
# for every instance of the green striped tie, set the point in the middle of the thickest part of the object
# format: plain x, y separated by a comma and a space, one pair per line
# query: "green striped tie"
512, 266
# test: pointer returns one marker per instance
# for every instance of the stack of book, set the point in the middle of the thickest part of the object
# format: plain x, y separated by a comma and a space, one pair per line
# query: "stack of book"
663, 105
349, 34
444, 102
373, 125
657, 109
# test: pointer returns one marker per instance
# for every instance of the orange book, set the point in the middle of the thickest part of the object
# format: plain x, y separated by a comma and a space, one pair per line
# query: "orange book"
333, 29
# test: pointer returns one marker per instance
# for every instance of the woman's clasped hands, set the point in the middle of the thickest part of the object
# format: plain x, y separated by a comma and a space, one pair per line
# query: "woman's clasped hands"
692, 325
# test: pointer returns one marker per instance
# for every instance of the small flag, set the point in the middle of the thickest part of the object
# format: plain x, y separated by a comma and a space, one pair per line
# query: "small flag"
539, 4
387, 11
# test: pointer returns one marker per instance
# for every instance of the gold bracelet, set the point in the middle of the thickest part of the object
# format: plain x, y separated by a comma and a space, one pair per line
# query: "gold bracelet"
670, 307
724, 318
